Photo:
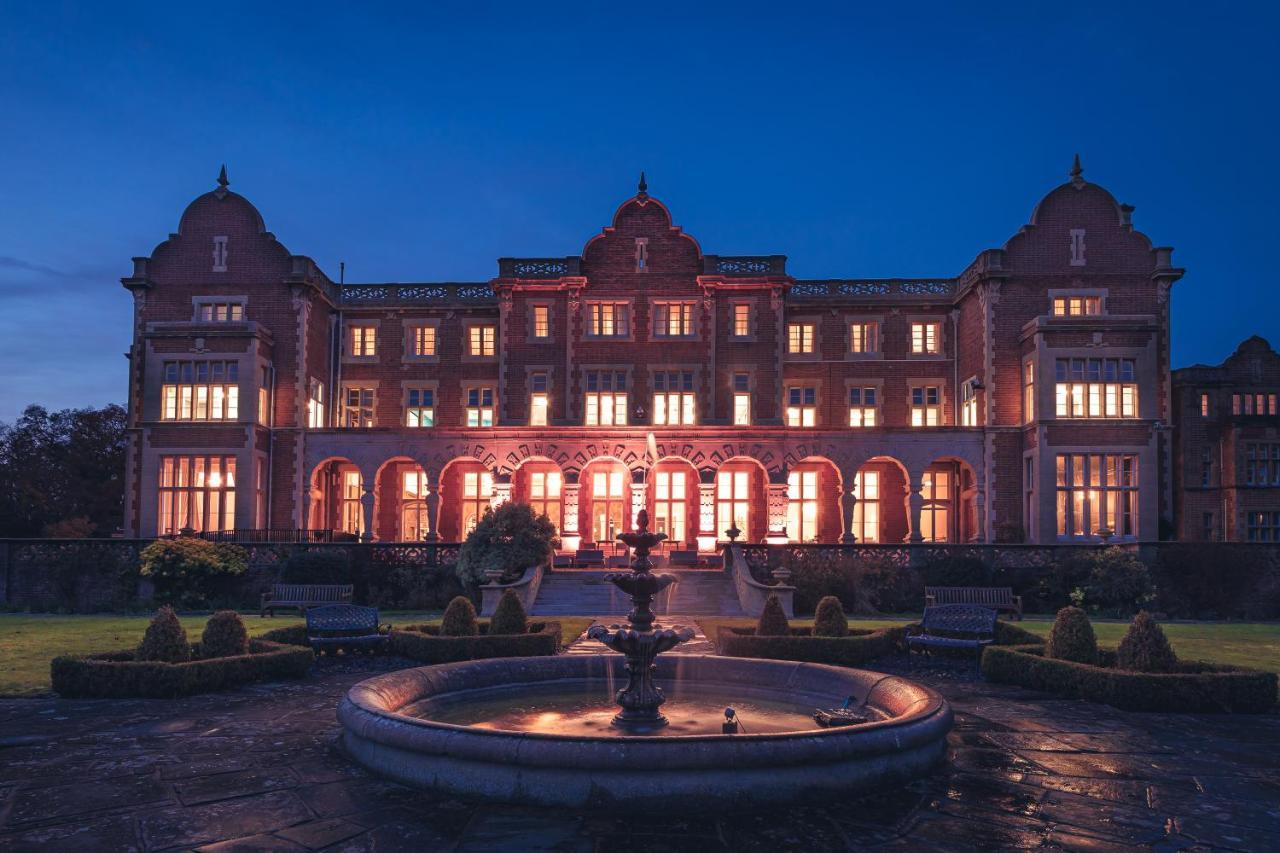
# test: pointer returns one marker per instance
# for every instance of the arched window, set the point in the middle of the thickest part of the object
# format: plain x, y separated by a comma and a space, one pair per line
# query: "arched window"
413, 506
544, 495
608, 491
733, 501
935, 516
802, 506
866, 512
670, 494
477, 489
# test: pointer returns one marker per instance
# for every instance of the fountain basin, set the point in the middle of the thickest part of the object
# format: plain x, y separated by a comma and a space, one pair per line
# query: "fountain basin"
672, 770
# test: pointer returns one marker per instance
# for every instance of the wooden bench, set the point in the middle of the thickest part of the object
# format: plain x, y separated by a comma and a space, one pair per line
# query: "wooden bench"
994, 597
304, 595
955, 626
588, 557
334, 626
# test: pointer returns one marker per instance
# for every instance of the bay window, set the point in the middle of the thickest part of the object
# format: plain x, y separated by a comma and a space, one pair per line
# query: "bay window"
200, 391
1096, 388
1097, 492
196, 493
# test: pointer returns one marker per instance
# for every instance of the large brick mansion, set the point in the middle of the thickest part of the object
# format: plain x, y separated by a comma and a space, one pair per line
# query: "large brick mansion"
1027, 398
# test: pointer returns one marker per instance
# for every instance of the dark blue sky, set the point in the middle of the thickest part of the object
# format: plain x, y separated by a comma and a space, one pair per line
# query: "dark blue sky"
421, 143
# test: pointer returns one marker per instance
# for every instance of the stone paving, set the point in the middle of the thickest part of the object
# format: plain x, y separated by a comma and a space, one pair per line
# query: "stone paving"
257, 769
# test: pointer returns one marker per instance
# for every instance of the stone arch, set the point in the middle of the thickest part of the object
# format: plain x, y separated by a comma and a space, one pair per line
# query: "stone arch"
673, 499
950, 504
747, 489
466, 490
605, 497
335, 491
401, 511
815, 487
879, 500
539, 481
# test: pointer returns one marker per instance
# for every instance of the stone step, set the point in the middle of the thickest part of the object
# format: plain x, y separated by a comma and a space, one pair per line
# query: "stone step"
587, 593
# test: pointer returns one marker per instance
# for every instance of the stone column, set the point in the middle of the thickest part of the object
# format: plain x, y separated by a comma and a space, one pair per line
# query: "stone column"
707, 535
366, 507
501, 493
848, 502
777, 505
980, 515
570, 537
915, 505
639, 495
433, 510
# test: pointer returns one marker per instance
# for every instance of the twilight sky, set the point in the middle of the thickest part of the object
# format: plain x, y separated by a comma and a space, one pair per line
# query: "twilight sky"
422, 141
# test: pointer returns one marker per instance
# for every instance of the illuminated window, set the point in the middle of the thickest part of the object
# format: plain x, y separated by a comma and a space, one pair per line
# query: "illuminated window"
1204, 405
672, 319
424, 341
1096, 388
606, 398
608, 319
1262, 526
260, 493
1253, 404
479, 407
420, 408
926, 406
925, 338
363, 341
669, 503
741, 399
264, 397
1261, 464
800, 337
477, 492
544, 495
968, 404
197, 493
357, 407
539, 399
1097, 492
1077, 306
542, 321
200, 391
219, 312
866, 512
673, 399
1028, 391
862, 407
802, 506
352, 510
315, 404
733, 501
413, 507
864, 337
935, 515
802, 407
741, 320
481, 341
608, 500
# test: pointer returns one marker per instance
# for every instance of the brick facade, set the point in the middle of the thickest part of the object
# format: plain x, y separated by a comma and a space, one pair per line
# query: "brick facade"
952, 453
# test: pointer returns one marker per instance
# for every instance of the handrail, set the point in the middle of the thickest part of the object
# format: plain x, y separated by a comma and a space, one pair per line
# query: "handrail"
752, 594
526, 587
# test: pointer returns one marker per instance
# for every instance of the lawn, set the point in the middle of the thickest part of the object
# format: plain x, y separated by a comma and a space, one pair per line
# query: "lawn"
29, 641
1251, 644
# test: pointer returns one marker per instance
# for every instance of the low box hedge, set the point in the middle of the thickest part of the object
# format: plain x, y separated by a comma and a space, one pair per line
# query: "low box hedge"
116, 675
1194, 688
425, 644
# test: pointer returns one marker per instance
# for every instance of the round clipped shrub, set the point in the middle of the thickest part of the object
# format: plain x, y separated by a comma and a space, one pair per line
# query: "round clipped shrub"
1145, 648
165, 640
509, 616
1072, 637
829, 619
190, 572
459, 618
773, 622
224, 636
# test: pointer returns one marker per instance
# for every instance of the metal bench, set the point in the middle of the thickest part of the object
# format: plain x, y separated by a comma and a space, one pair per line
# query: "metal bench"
994, 597
335, 626
562, 561
955, 626
588, 557
304, 595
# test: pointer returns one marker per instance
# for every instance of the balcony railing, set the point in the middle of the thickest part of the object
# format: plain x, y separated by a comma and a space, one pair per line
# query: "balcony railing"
286, 534
873, 288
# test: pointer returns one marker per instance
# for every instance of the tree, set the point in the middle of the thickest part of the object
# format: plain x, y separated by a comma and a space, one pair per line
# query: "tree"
509, 539
62, 473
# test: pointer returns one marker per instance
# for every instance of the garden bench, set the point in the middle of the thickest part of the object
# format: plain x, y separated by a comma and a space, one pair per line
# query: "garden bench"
684, 559
304, 595
955, 626
562, 561
333, 626
994, 597
588, 557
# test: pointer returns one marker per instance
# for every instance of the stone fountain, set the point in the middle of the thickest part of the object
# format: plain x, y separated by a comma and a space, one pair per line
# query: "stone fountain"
640, 642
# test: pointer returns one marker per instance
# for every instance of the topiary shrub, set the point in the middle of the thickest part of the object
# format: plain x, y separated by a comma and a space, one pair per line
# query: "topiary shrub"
165, 640
1072, 637
189, 572
773, 621
459, 618
509, 616
224, 636
1145, 648
829, 620
509, 539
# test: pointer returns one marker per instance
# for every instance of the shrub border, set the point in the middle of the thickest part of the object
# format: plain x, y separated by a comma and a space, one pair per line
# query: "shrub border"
116, 675
1196, 688
424, 644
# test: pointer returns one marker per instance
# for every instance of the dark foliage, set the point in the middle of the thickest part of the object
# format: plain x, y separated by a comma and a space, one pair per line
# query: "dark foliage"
1145, 648
192, 573
1192, 688
773, 621
1217, 580
509, 616
165, 639
1072, 637
958, 570
509, 539
829, 619
429, 644
459, 618
224, 636
321, 565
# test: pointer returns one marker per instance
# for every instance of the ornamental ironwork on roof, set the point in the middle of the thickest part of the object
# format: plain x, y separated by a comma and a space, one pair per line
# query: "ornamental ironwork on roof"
440, 293
539, 267
744, 265
896, 288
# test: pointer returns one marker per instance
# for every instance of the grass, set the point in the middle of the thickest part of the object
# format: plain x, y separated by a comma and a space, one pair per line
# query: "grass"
1250, 644
29, 641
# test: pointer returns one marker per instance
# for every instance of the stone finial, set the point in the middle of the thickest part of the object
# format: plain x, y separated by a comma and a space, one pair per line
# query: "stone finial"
1077, 172
222, 177
644, 188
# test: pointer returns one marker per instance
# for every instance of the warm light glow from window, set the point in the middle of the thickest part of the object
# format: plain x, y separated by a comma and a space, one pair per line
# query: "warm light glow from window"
924, 338
800, 337
864, 337
608, 319
669, 505
357, 408
1077, 306
926, 406
866, 511
200, 391
1096, 388
936, 513
477, 493
802, 408
481, 341
673, 319
479, 407
364, 341
315, 405
802, 506
544, 495
424, 340
1097, 492
608, 500
413, 507
220, 312
733, 502
741, 320
862, 407
542, 321
197, 493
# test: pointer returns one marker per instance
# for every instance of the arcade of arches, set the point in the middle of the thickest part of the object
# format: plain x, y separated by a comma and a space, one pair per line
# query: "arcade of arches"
810, 502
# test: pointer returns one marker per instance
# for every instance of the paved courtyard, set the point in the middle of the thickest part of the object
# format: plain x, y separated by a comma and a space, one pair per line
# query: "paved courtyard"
256, 769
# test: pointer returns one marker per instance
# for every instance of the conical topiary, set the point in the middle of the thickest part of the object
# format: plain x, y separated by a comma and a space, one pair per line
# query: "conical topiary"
224, 636
165, 640
829, 619
773, 622
509, 616
459, 618
1145, 648
1072, 637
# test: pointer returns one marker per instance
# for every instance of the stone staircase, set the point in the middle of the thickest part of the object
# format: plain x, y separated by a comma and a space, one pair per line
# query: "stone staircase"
584, 593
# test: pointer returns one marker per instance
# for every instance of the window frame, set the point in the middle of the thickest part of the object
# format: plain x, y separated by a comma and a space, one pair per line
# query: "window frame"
587, 312
815, 345
467, 328
749, 305
939, 336
344, 407
349, 341
876, 326
531, 332
1056, 294
411, 328
467, 408
200, 302
406, 389
658, 330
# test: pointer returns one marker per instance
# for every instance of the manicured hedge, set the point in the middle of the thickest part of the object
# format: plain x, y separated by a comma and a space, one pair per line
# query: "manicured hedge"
424, 643
117, 675
1194, 688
